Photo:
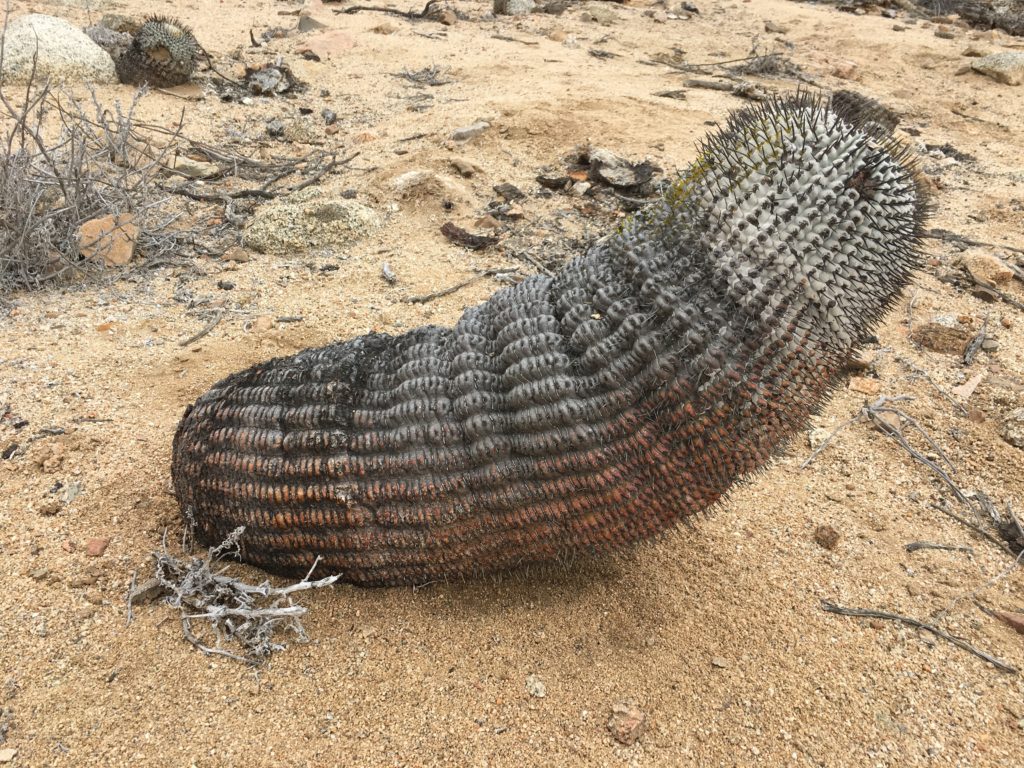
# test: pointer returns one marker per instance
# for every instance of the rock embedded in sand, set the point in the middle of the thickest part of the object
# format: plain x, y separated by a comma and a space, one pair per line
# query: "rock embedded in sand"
1006, 67
627, 723
941, 338
988, 269
1012, 430
312, 218
109, 240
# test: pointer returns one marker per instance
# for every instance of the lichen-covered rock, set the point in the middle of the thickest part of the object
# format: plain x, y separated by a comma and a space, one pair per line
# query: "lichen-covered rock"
582, 411
1006, 67
62, 52
308, 219
1012, 428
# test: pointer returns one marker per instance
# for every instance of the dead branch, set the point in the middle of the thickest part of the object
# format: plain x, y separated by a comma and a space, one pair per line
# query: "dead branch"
459, 286
1002, 666
248, 615
205, 330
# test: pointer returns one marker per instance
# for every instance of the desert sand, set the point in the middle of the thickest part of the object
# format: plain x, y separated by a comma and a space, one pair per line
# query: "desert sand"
716, 632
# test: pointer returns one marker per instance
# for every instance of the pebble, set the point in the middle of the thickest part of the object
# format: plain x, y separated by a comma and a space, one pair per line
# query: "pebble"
195, 169
826, 537
236, 254
988, 269
8, 754
1012, 430
975, 51
719, 662
865, 386
627, 722
95, 547
776, 29
817, 437
83, 580
941, 338
470, 131
1006, 67
535, 687
109, 240
466, 168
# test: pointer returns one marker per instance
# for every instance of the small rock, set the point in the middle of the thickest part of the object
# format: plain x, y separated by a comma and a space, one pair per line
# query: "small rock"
466, 168
890, 420
301, 130
598, 14
1012, 430
328, 44
944, 32
329, 115
513, 7
315, 217
847, 71
470, 131
308, 24
817, 437
262, 324
865, 386
487, 222
776, 29
557, 35
876, 624
988, 269
96, 547
826, 537
509, 192
941, 338
109, 240
990, 345
535, 687
627, 723
719, 662
83, 580
46, 47
8, 754
236, 254
1006, 67
447, 18
616, 171
1015, 620
975, 51
195, 169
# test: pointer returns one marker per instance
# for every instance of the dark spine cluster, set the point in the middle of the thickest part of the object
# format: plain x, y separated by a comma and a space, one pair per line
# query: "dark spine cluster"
580, 412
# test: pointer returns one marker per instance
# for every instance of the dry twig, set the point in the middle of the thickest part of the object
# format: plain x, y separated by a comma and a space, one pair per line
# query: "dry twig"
1002, 666
249, 615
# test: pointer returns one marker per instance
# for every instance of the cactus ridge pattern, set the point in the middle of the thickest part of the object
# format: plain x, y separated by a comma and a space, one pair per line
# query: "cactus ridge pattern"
163, 53
580, 412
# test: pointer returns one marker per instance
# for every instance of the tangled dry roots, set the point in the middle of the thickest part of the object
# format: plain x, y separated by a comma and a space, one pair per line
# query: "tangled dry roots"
580, 412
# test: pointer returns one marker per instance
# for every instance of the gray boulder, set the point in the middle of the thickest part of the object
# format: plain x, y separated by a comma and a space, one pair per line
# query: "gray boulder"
63, 52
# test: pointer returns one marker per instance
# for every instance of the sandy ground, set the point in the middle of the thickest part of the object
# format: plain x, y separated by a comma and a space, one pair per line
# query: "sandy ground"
716, 633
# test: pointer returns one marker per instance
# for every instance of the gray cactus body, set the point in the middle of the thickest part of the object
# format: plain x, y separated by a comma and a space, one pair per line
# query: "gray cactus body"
580, 412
